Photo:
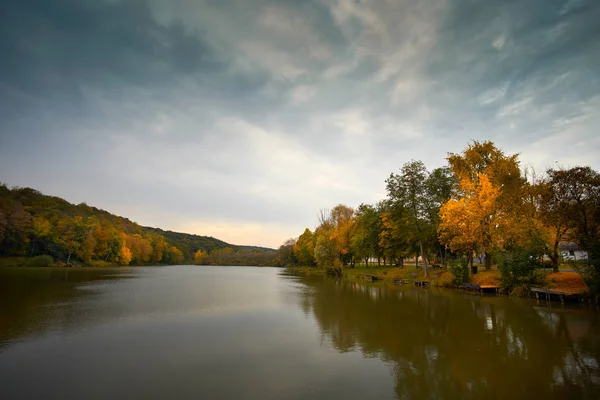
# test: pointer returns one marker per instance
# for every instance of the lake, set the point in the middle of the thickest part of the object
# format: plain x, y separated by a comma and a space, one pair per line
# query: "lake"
261, 333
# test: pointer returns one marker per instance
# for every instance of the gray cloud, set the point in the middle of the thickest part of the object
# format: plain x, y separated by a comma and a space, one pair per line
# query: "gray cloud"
240, 119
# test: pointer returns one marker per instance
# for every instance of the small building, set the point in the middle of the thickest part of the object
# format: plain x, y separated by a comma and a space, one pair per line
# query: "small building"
570, 251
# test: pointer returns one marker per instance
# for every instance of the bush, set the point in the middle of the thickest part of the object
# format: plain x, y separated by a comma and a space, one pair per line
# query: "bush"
520, 291
518, 269
40, 261
459, 268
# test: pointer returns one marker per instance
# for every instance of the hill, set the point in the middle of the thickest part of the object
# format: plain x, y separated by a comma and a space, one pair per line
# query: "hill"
33, 224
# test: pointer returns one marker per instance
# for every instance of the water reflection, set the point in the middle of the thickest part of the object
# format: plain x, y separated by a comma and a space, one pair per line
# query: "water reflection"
31, 297
444, 344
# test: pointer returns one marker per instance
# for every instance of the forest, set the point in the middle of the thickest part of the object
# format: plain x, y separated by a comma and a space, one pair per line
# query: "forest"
51, 231
483, 204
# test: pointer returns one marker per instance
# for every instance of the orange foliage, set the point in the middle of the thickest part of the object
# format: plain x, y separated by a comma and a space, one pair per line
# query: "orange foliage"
491, 278
570, 282
445, 279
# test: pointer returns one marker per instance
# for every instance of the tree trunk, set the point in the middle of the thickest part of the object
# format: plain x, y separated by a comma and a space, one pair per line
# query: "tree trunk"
379, 261
69, 259
367, 261
423, 257
554, 257
384, 259
417, 260
33, 247
488, 261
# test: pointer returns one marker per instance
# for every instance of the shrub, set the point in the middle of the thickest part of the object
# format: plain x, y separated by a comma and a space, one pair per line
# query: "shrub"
446, 279
40, 261
459, 268
520, 291
518, 268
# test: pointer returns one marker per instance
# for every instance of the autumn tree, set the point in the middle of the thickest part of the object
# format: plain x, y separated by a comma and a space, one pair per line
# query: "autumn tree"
70, 235
199, 256
484, 172
17, 229
325, 246
395, 240
575, 198
469, 222
285, 254
342, 222
40, 230
304, 248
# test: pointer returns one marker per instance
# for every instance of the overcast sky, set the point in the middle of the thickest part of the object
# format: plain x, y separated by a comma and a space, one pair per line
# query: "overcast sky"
240, 119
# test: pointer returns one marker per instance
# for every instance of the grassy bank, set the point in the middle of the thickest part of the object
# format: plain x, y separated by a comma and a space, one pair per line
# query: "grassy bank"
569, 282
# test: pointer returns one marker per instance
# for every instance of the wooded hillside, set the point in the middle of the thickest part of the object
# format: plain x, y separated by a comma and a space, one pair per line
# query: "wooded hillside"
33, 224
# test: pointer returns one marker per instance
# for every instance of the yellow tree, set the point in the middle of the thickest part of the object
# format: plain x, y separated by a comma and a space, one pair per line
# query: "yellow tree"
199, 257
342, 218
40, 229
304, 248
473, 222
124, 255
502, 179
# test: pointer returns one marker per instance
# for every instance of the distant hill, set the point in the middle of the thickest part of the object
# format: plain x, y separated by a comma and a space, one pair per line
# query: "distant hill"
33, 224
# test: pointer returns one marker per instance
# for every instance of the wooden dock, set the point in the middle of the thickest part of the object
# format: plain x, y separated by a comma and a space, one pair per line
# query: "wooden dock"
472, 287
549, 294
422, 283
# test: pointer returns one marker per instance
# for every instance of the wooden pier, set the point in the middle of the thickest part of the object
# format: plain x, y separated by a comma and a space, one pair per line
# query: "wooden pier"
422, 283
549, 294
480, 288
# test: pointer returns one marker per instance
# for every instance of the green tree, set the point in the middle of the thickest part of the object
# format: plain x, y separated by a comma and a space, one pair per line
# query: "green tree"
365, 241
285, 254
408, 191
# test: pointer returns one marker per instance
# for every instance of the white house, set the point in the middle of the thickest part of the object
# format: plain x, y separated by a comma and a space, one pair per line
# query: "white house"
570, 251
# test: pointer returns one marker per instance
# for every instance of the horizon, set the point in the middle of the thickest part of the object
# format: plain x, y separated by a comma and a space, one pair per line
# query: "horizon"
240, 121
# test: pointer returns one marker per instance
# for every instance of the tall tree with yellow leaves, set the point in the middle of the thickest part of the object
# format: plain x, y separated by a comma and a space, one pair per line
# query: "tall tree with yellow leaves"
484, 172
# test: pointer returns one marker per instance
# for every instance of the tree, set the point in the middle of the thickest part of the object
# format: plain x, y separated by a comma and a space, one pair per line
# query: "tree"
575, 198
343, 228
70, 235
502, 179
439, 186
304, 248
199, 256
124, 257
40, 229
365, 241
3, 223
408, 189
395, 239
17, 229
285, 254
470, 222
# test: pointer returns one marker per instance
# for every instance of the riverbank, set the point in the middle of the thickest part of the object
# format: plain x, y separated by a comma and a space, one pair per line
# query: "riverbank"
568, 282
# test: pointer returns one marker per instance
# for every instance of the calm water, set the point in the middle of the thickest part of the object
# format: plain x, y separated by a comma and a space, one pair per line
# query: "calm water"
243, 332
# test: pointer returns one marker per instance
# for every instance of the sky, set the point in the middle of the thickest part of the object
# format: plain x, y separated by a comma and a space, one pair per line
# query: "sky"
241, 119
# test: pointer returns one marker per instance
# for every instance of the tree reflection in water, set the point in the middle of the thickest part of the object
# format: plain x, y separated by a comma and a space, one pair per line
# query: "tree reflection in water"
444, 344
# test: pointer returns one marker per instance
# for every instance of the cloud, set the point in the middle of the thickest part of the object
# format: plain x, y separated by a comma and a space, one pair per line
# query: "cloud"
244, 118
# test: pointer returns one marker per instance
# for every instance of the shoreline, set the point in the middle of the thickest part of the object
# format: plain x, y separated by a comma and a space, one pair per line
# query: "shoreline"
555, 287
